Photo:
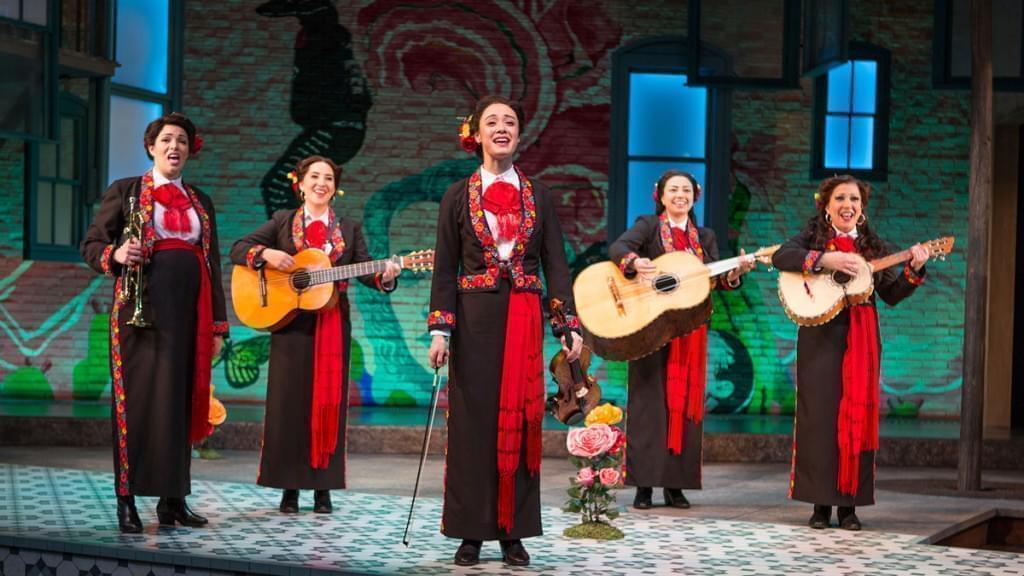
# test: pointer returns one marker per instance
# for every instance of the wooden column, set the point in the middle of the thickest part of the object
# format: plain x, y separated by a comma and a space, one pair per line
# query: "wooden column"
980, 206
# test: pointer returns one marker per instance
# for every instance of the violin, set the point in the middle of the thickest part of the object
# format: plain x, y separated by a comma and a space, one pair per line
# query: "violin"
578, 393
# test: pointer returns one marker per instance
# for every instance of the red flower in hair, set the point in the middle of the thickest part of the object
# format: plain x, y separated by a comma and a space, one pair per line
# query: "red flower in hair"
466, 140
294, 177
198, 145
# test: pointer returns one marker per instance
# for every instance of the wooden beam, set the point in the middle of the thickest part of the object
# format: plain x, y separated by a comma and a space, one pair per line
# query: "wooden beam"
979, 214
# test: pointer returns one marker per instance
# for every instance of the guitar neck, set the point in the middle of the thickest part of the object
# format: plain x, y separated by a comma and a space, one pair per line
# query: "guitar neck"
891, 260
722, 266
339, 273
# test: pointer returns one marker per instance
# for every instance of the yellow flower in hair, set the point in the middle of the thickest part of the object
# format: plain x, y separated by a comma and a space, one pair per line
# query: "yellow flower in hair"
604, 414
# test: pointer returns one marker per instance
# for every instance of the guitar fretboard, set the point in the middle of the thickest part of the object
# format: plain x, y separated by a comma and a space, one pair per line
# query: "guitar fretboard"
891, 260
348, 271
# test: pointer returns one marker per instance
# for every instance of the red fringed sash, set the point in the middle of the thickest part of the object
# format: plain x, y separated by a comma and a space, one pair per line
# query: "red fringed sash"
858, 408
199, 427
328, 363
686, 375
328, 352
522, 398
686, 370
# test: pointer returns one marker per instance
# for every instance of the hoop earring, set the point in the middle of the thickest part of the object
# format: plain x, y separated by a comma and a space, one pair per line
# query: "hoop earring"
862, 220
828, 217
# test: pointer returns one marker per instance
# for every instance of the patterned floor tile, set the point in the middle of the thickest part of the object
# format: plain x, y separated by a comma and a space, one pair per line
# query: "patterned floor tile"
364, 534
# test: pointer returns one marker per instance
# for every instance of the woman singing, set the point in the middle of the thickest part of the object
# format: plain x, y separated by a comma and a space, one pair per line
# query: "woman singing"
496, 231
665, 410
304, 432
837, 364
160, 372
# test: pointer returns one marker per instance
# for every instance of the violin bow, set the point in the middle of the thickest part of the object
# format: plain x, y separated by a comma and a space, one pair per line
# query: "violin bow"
423, 453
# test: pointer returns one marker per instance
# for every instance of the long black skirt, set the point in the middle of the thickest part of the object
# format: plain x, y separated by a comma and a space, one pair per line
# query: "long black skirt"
815, 469
471, 469
284, 461
157, 368
648, 461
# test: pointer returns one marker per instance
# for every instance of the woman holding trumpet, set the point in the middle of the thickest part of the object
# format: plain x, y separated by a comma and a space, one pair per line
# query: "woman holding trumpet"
157, 235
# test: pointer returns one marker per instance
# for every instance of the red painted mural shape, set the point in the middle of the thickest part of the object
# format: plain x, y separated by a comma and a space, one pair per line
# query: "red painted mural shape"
550, 56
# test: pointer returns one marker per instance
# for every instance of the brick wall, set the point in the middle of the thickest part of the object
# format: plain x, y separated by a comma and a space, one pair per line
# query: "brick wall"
422, 64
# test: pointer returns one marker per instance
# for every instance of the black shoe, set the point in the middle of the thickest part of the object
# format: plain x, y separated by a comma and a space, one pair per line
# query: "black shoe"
289, 502
514, 553
821, 518
322, 502
468, 553
642, 500
171, 510
127, 516
674, 498
848, 518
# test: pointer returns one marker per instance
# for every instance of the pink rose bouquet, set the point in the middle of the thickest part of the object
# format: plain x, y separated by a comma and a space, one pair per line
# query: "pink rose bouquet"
596, 451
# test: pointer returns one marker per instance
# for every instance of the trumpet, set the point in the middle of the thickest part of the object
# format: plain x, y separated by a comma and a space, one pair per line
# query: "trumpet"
132, 276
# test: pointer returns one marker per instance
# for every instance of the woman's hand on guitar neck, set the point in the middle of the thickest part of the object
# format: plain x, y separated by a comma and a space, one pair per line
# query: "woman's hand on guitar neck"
278, 259
391, 271
840, 262
746, 264
918, 256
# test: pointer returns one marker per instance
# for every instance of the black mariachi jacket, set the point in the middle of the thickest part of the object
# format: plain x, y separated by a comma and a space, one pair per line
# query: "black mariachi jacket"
466, 255
104, 234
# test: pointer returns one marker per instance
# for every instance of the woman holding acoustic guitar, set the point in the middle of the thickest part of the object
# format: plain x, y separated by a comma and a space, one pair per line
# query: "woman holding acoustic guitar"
496, 231
304, 434
665, 408
836, 428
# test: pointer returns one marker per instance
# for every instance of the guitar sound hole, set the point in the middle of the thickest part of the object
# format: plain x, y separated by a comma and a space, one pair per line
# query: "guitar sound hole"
300, 280
666, 283
841, 278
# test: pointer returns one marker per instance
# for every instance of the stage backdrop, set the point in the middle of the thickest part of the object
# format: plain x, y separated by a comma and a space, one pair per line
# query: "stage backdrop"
379, 86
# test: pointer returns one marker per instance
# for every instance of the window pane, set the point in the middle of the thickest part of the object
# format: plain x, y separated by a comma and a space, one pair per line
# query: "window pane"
862, 139
34, 11
63, 210
68, 150
44, 213
665, 117
865, 80
839, 88
9, 9
643, 176
837, 138
128, 120
142, 44
48, 160
23, 98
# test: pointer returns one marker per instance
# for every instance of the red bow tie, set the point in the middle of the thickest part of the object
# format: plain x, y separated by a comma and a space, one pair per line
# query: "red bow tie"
176, 206
316, 234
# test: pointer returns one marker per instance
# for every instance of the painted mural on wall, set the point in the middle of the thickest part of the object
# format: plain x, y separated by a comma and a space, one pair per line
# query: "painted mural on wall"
554, 56
329, 98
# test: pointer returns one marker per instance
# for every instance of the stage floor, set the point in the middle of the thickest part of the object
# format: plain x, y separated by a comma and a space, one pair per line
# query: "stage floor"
56, 520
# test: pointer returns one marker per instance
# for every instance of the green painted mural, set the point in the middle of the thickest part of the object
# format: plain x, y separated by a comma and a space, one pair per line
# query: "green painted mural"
411, 69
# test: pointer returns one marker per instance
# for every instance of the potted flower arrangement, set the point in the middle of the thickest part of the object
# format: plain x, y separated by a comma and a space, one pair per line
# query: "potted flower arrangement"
596, 451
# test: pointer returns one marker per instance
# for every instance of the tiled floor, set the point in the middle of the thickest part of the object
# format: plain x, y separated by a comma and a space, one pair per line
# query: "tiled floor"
70, 514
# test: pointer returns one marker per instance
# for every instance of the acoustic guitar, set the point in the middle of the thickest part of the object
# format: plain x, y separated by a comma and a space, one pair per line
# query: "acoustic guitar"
626, 319
268, 299
815, 299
